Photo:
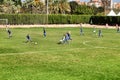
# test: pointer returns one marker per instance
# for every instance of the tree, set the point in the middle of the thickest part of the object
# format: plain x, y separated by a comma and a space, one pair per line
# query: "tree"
73, 5
83, 9
1, 1
33, 6
8, 6
59, 6
17, 2
64, 6
38, 7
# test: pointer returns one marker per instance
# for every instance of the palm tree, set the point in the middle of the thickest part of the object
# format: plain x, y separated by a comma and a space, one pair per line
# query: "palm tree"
9, 6
64, 6
59, 6
53, 7
38, 7
33, 6
73, 5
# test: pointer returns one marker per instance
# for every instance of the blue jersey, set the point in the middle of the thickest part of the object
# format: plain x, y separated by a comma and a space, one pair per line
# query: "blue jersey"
9, 32
28, 37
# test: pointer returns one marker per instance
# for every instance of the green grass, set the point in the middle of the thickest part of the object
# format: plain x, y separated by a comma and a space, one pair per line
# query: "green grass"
84, 58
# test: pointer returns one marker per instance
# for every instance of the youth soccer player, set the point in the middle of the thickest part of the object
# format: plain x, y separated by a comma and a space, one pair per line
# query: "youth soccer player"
9, 33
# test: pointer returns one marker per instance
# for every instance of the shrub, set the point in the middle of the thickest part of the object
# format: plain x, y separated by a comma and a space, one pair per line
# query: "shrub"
42, 19
102, 20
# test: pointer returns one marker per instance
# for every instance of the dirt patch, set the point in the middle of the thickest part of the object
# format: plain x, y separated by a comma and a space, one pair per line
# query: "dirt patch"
57, 25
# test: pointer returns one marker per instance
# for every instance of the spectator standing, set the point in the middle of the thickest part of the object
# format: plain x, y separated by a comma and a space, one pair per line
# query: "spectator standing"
118, 30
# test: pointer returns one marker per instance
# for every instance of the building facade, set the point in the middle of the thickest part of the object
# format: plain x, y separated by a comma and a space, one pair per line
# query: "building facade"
117, 5
100, 3
96, 3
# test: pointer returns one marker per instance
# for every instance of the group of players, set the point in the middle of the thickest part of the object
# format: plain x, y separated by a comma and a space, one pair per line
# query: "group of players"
66, 37
28, 38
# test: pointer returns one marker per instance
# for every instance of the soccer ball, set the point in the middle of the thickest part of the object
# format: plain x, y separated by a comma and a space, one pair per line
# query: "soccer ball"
35, 42
94, 31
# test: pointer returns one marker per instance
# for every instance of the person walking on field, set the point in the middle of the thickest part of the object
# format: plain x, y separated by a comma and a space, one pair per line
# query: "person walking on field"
118, 30
9, 33
106, 25
94, 29
100, 33
44, 32
81, 29
28, 38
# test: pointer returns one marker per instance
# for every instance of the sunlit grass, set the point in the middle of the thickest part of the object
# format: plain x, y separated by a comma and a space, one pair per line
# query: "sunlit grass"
84, 58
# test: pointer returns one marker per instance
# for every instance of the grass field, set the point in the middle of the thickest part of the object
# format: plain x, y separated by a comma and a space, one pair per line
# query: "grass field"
84, 58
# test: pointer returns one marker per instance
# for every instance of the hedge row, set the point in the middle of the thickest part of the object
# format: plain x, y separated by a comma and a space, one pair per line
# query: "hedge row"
68, 19
102, 20
24, 18
58, 19
42, 19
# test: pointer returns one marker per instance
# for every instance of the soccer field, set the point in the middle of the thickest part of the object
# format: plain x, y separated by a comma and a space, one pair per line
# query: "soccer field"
85, 57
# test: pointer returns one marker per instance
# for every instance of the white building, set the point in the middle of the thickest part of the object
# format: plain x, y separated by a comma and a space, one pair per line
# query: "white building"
96, 3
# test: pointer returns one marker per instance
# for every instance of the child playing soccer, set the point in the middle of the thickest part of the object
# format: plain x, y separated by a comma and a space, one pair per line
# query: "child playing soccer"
9, 33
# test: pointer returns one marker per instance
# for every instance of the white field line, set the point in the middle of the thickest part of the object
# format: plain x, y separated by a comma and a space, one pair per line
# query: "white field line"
54, 50
86, 44
37, 52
